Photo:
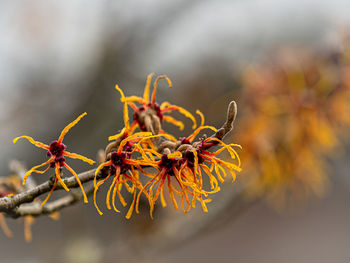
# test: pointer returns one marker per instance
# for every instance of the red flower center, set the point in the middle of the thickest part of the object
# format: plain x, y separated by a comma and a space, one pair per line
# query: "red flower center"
168, 164
56, 150
118, 160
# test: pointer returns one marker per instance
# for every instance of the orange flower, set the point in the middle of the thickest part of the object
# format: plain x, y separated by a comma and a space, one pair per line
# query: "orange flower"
148, 109
173, 167
57, 153
186, 169
169, 167
124, 169
198, 156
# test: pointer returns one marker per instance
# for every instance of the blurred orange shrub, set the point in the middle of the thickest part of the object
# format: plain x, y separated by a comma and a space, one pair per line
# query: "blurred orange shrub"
295, 109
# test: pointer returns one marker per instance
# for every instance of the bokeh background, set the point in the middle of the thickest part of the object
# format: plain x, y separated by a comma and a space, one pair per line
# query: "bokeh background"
61, 58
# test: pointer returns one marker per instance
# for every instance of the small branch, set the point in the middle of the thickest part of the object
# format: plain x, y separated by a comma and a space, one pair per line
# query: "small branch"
9, 203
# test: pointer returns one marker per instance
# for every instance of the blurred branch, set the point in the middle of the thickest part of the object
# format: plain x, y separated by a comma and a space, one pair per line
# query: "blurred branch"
35, 209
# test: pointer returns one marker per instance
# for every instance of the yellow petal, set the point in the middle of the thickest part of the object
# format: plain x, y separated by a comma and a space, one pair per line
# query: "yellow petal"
155, 85
198, 130
114, 137
131, 209
33, 169
125, 110
174, 121
28, 222
58, 176
4, 226
69, 126
175, 155
167, 107
109, 194
147, 87
50, 193
95, 191
202, 117
78, 180
31, 140
78, 156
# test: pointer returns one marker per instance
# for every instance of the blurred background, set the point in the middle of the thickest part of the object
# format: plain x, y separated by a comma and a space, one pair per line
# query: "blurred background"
286, 63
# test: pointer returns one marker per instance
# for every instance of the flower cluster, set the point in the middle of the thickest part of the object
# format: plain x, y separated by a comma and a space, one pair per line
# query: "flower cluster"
296, 107
178, 165
148, 161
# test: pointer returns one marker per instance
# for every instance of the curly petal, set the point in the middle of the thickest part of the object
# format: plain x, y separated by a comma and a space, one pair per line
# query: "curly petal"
95, 191
41, 172
32, 141
58, 176
147, 87
171, 193
136, 136
99, 168
174, 121
141, 191
155, 85
202, 117
69, 126
33, 169
125, 109
50, 193
198, 130
108, 203
78, 156
114, 137
131, 209
78, 180
167, 107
